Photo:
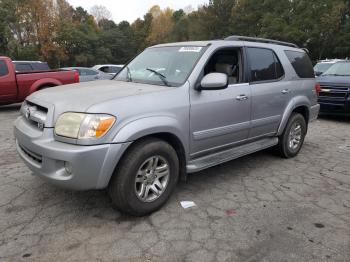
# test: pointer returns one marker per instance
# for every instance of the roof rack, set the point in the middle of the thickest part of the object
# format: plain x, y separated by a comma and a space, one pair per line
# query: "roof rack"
260, 40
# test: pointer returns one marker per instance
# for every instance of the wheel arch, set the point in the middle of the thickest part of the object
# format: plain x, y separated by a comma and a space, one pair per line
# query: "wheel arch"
46, 82
171, 139
297, 105
304, 111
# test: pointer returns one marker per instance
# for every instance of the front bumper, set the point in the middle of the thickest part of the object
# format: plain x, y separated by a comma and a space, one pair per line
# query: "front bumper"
335, 106
65, 165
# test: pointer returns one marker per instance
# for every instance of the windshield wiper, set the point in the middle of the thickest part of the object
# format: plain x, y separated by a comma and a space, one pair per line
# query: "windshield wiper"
161, 76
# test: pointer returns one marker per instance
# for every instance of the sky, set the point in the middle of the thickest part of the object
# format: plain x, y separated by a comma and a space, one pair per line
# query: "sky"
130, 10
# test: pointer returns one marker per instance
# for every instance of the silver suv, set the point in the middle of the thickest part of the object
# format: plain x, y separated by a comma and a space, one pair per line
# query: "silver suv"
175, 109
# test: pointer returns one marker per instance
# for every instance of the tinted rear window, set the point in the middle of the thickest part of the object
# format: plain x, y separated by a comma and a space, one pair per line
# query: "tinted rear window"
3, 68
301, 64
41, 66
23, 67
264, 65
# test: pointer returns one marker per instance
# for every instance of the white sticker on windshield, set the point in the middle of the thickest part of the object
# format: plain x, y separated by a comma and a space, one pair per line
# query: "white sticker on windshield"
195, 49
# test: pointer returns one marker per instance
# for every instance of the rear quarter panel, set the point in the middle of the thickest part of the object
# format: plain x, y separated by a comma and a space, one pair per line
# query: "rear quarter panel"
302, 89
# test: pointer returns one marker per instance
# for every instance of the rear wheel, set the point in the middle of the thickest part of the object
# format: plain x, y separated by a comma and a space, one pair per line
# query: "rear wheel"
145, 177
292, 138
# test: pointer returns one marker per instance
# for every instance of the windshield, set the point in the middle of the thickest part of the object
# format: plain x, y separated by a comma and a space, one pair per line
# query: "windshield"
322, 67
168, 66
339, 69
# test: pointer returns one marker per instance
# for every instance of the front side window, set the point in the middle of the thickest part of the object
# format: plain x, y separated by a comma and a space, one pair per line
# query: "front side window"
227, 61
168, 66
3, 68
104, 69
339, 69
301, 63
264, 65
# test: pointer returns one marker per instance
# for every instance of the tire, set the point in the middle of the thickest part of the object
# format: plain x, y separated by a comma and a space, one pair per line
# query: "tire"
286, 148
137, 165
44, 87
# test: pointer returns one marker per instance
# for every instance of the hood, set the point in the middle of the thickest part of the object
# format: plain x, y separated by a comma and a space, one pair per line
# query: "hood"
79, 97
342, 80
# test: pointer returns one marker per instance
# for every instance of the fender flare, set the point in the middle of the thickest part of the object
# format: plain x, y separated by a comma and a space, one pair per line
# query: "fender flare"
43, 82
151, 125
297, 101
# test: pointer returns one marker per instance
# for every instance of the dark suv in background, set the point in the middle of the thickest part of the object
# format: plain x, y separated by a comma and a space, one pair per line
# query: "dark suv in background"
335, 88
323, 65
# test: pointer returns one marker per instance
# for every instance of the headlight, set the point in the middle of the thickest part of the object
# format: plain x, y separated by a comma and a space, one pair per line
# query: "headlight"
83, 126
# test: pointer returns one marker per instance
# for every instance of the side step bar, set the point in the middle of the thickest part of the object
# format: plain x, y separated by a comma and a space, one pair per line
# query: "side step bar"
230, 154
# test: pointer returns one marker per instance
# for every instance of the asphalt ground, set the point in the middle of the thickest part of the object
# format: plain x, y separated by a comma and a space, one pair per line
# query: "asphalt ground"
257, 208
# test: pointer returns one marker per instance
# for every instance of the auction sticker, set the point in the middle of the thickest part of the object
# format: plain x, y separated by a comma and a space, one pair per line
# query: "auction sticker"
195, 49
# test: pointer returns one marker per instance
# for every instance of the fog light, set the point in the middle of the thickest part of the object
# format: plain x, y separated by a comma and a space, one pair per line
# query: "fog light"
68, 167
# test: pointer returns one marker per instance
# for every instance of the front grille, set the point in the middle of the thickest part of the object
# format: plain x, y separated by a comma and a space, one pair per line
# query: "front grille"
35, 114
337, 92
35, 157
335, 95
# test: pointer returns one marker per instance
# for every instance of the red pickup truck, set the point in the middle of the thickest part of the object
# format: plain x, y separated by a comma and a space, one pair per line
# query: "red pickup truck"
16, 86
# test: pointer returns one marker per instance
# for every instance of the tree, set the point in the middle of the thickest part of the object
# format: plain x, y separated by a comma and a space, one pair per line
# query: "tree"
100, 12
180, 29
6, 35
141, 29
54, 31
162, 25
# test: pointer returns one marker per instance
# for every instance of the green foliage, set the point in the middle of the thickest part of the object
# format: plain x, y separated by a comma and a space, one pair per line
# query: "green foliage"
67, 36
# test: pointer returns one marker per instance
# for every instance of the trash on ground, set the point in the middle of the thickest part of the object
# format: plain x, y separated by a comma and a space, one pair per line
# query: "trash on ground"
187, 204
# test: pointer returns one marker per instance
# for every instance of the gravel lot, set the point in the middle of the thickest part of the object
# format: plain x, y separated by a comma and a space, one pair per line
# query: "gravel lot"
258, 208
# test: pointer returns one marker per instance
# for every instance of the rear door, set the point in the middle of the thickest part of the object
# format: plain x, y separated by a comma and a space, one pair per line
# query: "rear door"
8, 88
270, 94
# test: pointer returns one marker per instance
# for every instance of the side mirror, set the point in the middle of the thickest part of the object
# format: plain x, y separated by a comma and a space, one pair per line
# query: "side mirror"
318, 73
214, 81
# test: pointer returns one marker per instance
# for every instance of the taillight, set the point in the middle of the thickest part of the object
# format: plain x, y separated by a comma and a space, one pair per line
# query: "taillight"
76, 76
318, 89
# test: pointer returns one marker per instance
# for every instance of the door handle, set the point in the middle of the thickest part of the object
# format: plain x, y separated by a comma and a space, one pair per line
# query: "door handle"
241, 97
285, 91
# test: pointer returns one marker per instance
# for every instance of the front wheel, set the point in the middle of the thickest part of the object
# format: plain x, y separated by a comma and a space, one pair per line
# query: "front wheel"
145, 177
292, 138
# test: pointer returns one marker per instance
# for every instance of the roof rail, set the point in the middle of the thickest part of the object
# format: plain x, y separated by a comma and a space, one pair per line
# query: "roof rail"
260, 40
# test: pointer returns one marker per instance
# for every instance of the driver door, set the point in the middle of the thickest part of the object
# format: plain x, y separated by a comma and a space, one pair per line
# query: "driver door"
220, 118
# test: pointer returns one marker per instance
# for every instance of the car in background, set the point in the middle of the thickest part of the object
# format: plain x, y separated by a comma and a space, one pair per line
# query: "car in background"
16, 86
323, 65
109, 69
89, 74
27, 66
335, 88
